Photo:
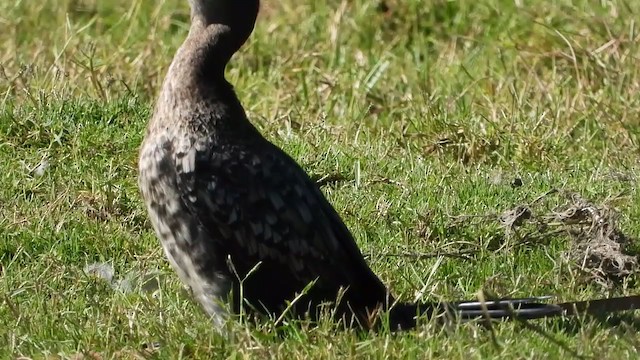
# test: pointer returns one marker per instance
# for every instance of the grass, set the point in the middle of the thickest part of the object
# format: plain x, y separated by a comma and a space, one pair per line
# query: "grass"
427, 111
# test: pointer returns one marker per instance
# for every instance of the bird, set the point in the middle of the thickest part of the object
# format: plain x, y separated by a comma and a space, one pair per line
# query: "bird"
240, 221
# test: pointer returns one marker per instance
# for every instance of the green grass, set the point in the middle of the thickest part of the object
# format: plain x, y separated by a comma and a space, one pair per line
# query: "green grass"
428, 110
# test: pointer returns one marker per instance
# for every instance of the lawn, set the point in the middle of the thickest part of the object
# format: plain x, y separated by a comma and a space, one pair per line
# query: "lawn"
426, 123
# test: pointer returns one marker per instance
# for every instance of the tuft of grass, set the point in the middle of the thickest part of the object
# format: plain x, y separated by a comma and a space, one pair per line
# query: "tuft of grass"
421, 115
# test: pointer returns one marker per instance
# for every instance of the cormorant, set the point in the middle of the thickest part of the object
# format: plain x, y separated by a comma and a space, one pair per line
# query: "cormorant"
233, 210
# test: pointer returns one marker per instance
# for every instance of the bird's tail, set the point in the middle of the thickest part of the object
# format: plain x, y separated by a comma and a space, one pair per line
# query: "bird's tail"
404, 315
522, 308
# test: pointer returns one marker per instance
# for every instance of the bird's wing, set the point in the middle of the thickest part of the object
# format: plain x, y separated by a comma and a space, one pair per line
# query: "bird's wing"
260, 206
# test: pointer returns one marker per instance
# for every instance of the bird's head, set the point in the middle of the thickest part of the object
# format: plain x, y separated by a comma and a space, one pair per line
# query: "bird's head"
239, 16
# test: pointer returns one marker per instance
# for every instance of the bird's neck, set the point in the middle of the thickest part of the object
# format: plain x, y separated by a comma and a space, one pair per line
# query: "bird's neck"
195, 88
201, 60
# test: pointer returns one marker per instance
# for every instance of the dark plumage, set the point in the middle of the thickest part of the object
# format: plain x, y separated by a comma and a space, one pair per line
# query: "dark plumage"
218, 193
224, 200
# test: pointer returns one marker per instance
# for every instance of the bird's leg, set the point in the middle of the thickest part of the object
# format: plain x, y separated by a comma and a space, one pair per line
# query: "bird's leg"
210, 288
213, 295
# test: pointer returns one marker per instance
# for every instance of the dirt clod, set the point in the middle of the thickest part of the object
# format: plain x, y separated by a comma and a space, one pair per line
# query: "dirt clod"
599, 246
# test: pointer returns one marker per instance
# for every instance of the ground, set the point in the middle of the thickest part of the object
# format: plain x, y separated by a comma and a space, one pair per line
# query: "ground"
469, 145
